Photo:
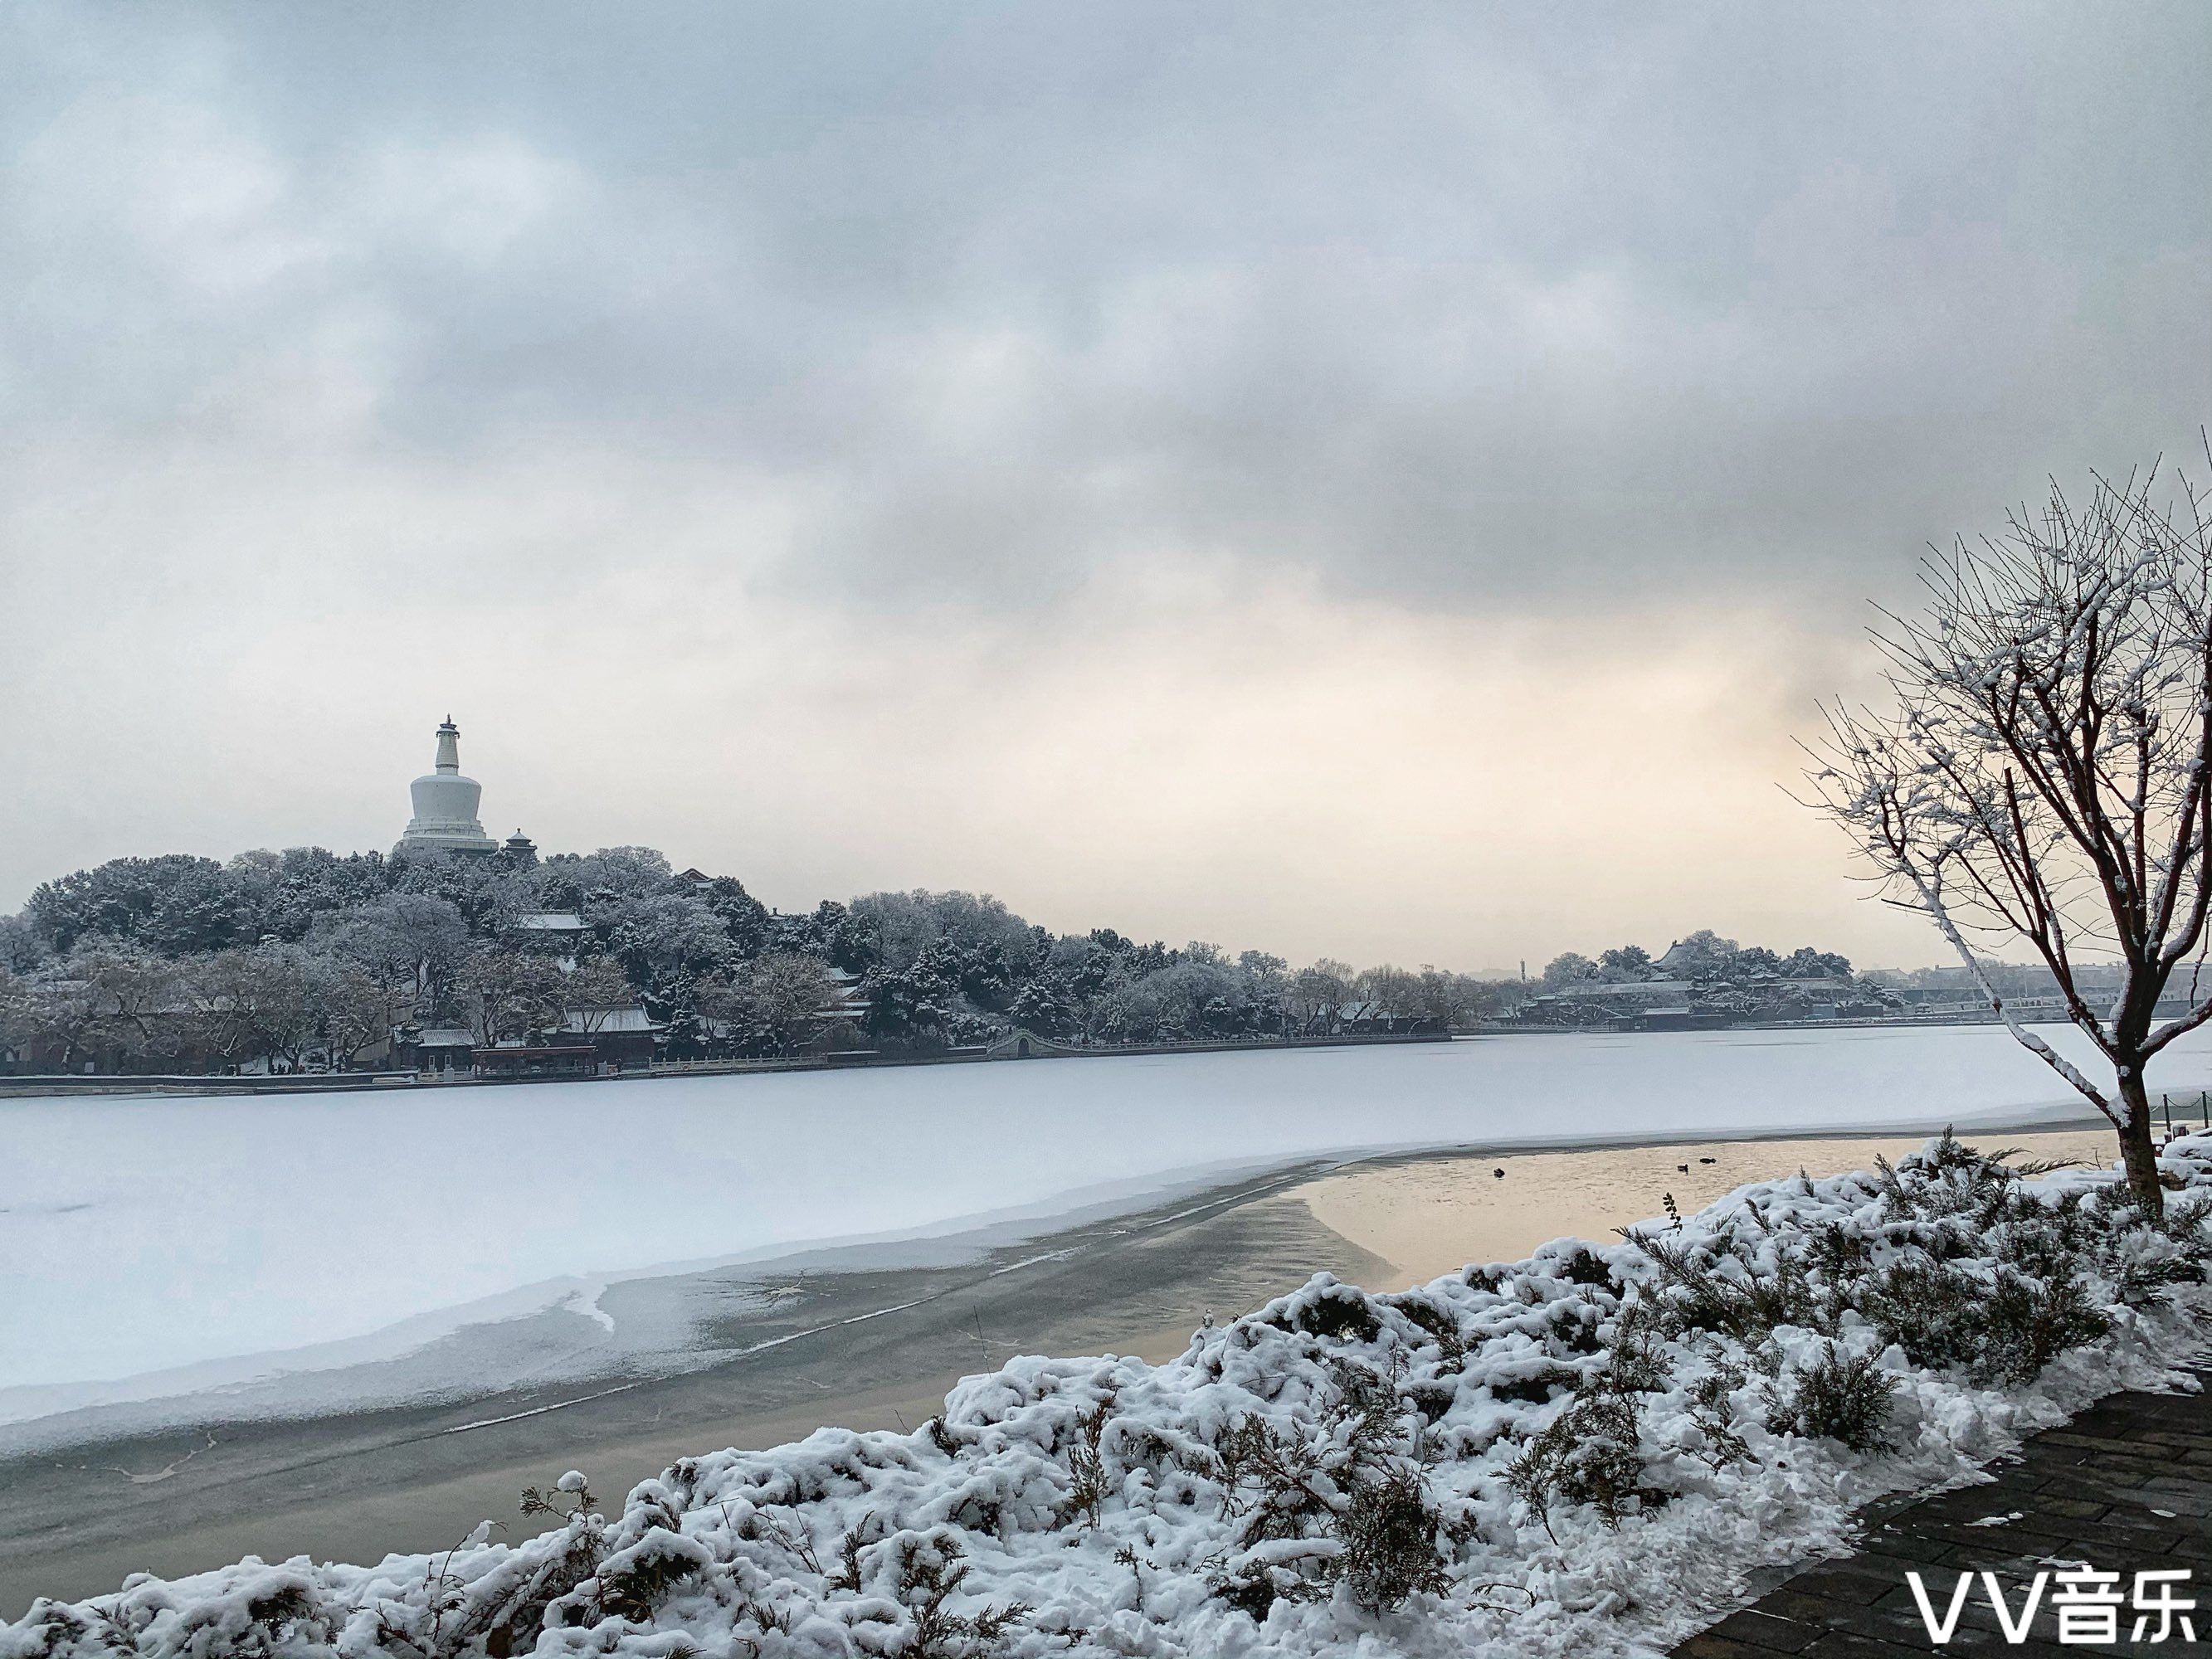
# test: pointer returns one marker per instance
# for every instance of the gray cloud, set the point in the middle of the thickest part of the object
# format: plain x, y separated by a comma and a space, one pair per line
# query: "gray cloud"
1482, 307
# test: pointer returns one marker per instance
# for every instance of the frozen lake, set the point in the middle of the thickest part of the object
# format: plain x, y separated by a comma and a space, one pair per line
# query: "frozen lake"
144, 1235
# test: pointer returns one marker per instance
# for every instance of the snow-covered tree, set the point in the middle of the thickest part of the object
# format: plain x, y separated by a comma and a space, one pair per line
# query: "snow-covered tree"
2043, 773
351, 1008
594, 992
223, 990
169, 905
1315, 996
511, 995
667, 943
1568, 969
786, 1000
1703, 955
1045, 1004
52, 1011
21, 949
1627, 963
411, 943
905, 925
134, 992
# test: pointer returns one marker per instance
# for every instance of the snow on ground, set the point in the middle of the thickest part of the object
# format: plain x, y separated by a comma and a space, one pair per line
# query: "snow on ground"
138, 1235
1583, 1454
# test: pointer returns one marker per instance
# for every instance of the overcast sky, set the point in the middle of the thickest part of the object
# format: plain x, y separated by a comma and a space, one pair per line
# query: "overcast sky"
1380, 479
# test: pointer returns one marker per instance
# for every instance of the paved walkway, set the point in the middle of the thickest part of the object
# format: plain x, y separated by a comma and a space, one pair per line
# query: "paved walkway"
2126, 1486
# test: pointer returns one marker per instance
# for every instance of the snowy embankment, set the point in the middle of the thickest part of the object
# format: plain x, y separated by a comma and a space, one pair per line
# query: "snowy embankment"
1580, 1454
224, 1239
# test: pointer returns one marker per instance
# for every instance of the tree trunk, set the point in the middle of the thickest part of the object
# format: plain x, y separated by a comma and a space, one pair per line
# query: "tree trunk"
2137, 1150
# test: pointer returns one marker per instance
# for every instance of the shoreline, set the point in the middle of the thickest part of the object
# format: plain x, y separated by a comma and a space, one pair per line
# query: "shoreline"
862, 1348
1432, 1218
69, 1086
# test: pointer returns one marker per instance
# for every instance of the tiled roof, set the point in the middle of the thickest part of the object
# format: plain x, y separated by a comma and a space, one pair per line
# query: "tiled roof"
596, 1022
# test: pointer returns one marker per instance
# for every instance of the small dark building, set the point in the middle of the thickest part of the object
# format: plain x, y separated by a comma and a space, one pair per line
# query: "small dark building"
512, 1063
443, 1048
620, 1037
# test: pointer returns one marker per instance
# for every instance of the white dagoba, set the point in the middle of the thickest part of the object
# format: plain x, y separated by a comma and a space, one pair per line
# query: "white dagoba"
445, 818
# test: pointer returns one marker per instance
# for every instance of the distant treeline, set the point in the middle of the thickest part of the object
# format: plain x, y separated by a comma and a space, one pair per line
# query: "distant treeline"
1703, 981
285, 957
1704, 955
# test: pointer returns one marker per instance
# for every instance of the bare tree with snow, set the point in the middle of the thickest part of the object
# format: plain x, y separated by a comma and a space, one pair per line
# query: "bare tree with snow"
2046, 772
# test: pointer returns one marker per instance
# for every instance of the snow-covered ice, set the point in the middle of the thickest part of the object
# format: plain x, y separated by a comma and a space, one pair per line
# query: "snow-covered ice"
139, 1234
1581, 1455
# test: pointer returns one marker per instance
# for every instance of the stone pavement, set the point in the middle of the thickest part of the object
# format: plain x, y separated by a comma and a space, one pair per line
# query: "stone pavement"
2125, 1487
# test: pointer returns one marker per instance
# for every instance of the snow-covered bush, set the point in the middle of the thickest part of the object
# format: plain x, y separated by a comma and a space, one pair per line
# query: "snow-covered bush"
1843, 1397
1573, 1454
